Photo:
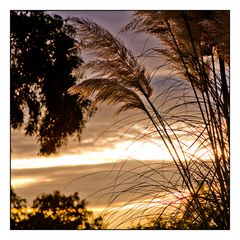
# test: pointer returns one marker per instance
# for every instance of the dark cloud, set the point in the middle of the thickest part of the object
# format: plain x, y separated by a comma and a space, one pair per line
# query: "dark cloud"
23, 146
112, 20
98, 181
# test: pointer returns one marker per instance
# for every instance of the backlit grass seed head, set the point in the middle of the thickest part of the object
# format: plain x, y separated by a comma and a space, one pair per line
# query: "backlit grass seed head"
109, 91
111, 58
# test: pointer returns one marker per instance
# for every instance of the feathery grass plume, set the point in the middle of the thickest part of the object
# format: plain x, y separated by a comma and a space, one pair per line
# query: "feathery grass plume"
109, 91
114, 60
198, 49
209, 31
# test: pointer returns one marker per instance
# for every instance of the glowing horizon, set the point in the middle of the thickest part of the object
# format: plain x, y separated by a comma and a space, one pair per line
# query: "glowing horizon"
139, 150
124, 150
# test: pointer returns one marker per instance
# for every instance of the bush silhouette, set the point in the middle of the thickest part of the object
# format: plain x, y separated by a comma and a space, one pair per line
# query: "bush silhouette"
53, 211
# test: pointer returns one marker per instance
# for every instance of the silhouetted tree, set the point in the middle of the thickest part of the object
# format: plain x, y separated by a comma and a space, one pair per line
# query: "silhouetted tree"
53, 211
16, 205
43, 57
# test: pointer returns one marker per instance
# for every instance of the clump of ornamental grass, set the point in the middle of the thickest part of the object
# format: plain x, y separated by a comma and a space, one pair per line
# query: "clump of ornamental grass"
190, 117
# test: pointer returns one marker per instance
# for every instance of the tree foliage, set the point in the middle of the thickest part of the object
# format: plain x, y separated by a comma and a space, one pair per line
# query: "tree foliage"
52, 211
43, 57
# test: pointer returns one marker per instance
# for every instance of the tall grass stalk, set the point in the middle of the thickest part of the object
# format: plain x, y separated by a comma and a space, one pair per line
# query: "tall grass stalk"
198, 56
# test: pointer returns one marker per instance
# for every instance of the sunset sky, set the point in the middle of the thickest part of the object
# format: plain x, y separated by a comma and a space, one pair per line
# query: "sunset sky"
93, 164
100, 148
107, 139
111, 146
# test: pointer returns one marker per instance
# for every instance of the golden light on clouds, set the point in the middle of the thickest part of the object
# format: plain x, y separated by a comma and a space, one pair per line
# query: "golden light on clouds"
142, 151
123, 150
27, 181
138, 150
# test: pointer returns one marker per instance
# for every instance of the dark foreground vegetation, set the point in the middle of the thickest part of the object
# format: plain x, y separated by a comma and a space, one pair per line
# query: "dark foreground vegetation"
52, 211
